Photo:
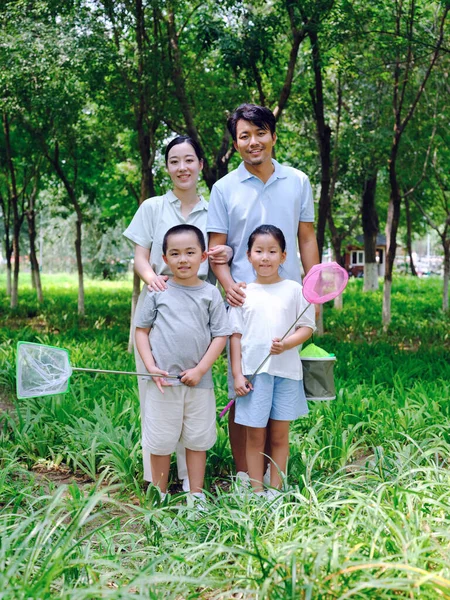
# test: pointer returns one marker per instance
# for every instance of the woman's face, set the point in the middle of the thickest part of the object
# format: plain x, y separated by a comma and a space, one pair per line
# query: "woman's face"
183, 166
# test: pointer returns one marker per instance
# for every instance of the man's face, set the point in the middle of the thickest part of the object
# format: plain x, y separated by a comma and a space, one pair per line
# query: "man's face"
253, 143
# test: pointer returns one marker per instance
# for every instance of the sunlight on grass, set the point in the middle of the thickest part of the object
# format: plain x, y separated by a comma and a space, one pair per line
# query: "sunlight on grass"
367, 512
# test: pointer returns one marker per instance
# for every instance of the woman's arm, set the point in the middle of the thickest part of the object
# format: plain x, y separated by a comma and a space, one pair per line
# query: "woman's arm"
142, 268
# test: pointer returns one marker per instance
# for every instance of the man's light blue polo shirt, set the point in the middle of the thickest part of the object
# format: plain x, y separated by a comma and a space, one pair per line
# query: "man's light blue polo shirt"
240, 202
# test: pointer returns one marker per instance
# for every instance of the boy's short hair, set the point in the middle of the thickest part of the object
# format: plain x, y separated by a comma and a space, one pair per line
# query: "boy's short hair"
260, 116
182, 229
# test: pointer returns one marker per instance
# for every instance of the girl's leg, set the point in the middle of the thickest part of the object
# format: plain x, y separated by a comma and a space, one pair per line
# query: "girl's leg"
160, 470
256, 438
196, 462
279, 443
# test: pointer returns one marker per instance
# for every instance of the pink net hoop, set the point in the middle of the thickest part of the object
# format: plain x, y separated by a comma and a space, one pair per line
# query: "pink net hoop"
324, 282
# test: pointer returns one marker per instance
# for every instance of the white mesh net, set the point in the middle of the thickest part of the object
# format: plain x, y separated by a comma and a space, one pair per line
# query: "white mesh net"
41, 370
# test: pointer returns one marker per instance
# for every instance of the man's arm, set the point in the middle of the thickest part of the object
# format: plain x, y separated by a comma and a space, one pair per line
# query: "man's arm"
307, 244
233, 291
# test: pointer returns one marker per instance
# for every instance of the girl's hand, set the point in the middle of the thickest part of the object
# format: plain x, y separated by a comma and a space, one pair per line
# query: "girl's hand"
160, 381
242, 385
277, 346
191, 377
158, 283
220, 255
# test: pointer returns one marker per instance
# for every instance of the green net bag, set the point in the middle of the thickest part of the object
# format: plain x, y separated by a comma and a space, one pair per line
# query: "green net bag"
318, 373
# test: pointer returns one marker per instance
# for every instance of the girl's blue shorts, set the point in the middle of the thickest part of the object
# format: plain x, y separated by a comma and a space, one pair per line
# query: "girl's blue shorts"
272, 397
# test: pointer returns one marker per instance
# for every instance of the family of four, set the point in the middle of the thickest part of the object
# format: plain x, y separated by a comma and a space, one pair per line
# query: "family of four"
256, 216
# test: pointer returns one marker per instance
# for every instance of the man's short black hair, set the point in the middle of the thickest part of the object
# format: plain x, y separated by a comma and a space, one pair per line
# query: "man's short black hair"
258, 115
183, 229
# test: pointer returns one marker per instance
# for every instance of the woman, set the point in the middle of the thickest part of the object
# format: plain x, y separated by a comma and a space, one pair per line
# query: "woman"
182, 204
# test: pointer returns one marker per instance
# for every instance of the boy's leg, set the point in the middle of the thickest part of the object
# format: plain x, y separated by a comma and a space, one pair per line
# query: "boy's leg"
196, 462
162, 428
256, 439
160, 469
181, 463
199, 432
279, 442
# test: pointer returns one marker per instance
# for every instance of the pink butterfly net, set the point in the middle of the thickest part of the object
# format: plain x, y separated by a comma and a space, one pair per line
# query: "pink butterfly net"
323, 282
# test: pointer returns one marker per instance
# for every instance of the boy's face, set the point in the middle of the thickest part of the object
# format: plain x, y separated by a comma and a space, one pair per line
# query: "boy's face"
184, 257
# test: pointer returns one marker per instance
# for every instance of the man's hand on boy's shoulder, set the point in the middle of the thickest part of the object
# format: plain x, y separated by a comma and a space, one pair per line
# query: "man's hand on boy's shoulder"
191, 377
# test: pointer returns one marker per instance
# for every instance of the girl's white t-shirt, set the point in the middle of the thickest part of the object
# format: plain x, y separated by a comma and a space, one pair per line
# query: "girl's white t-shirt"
267, 313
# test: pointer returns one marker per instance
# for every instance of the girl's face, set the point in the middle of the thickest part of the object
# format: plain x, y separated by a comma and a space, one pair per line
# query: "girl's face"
183, 166
266, 257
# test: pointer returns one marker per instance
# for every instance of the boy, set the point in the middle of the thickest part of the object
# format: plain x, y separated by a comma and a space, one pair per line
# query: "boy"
181, 331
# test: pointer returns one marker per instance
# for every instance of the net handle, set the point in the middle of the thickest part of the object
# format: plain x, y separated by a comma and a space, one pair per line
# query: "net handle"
250, 379
126, 373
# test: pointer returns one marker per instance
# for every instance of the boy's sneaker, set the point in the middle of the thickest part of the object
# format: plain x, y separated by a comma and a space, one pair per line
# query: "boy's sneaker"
186, 484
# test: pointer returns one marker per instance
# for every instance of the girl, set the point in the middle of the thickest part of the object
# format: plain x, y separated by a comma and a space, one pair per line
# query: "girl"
276, 394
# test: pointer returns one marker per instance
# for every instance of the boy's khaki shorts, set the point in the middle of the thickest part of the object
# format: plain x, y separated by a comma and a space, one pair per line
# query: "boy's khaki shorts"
182, 413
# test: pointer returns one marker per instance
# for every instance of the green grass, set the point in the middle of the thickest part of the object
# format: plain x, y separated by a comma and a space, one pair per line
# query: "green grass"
368, 512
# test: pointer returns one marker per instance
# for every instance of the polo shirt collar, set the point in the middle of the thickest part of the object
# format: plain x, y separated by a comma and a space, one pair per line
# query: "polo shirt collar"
279, 173
201, 205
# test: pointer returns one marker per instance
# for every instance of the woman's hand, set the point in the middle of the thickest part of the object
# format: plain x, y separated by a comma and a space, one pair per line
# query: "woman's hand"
242, 385
277, 346
158, 283
220, 255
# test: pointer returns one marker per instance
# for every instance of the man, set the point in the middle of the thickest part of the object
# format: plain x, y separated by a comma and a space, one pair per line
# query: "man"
260, 191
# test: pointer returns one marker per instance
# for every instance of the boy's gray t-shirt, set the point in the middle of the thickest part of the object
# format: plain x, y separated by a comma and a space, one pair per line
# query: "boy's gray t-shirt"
183, 321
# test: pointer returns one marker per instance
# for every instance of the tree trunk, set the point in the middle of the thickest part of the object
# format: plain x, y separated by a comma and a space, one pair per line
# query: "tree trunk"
8, 277
134, 301
386, 316
324, 141
70, 189
16, 267
392, 223
178, 78
446, 275
409, 236
370, 225
17, 218
78, 240
338, 302
31, 220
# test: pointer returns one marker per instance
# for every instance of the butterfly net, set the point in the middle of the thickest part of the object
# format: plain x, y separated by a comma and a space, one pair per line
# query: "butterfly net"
41, 370
324, 282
